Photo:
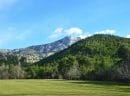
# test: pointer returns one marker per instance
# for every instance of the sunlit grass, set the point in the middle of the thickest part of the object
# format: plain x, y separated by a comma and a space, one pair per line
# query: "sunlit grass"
62, 88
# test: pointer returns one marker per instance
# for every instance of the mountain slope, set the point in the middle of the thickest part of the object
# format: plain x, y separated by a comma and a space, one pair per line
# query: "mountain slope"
100, 57
95, 45
54, 47
38, 52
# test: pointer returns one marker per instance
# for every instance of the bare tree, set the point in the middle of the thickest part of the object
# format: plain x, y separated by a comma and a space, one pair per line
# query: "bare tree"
73, 73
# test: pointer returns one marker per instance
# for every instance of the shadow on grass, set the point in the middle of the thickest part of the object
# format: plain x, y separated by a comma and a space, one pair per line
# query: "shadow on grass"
104, 83
122, 87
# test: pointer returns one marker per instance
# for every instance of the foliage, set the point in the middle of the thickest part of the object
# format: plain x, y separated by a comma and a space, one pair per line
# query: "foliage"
99, 57
96, 58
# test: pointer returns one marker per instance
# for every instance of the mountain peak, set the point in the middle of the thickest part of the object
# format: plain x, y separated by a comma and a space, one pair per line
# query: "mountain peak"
37, 52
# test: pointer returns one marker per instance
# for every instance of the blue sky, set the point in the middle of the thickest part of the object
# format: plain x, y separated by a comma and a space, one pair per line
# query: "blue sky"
31, 22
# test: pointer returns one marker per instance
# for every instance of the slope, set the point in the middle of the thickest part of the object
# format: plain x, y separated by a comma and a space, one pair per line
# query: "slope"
100, 57
37, 52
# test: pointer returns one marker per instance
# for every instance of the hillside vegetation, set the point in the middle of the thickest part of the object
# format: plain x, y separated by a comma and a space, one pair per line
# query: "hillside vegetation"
99, 57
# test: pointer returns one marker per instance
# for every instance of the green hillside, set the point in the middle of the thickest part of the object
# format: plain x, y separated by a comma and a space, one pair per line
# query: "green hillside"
99, 57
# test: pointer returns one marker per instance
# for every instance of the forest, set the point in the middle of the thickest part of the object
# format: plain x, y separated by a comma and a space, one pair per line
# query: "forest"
99, 57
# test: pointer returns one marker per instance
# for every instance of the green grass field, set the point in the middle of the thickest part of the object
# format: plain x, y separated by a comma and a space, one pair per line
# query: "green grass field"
61, 88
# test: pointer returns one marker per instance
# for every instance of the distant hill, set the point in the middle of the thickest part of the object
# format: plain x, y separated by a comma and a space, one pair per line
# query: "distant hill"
38, 52
100, 57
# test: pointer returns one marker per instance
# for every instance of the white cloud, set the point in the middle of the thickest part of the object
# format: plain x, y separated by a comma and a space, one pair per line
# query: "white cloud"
57, 32
6, 3
107, 31
83, 36
74, 30
128, 36
77, 32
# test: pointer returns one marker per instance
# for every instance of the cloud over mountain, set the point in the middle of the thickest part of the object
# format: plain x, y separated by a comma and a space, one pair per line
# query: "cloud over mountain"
128, 36
73, 31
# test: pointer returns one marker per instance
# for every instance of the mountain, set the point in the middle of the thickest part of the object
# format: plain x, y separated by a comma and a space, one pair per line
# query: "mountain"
38, 52
99, 57
51, 48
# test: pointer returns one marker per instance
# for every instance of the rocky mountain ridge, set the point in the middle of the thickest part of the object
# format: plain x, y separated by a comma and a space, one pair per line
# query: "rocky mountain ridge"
37, 52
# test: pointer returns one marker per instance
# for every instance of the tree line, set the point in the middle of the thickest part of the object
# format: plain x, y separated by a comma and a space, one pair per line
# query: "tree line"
100, 57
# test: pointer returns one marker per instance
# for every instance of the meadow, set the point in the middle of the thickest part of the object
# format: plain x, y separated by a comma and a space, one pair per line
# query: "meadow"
62, 88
